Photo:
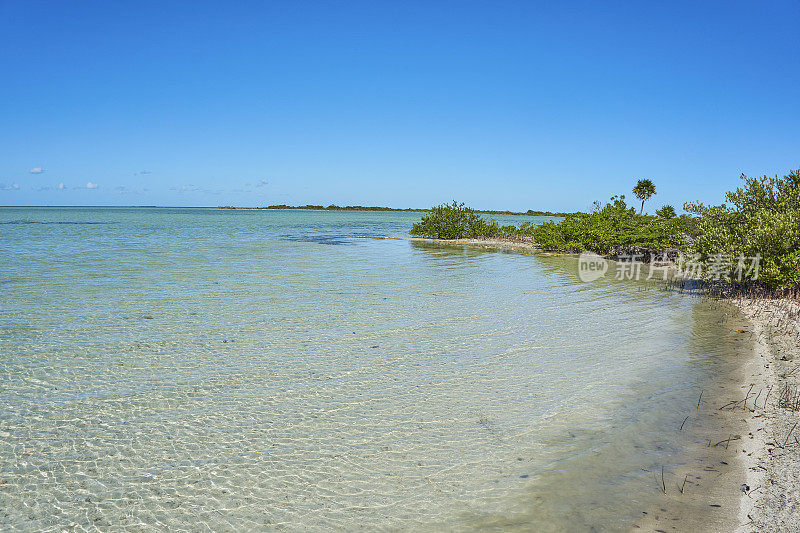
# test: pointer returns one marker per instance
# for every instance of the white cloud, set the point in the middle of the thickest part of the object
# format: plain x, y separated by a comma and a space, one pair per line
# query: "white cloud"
12, 187
36, 170
90, 185
61, 186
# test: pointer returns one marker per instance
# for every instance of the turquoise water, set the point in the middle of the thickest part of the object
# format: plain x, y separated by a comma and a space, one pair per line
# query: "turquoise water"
229, 370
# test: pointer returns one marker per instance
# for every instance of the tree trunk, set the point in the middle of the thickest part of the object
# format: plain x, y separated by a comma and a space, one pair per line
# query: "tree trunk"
642, 210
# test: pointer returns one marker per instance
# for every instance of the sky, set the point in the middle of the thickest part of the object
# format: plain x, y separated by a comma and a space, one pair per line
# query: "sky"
499, 104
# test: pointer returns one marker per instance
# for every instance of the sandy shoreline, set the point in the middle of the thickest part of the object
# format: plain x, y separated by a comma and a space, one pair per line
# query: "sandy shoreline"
488, 243
752, 481
773, 502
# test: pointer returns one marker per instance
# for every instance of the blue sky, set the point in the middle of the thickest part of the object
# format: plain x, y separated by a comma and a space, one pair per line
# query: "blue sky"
503, 105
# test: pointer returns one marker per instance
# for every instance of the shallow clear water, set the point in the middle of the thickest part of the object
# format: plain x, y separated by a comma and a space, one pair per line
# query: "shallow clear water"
193, 368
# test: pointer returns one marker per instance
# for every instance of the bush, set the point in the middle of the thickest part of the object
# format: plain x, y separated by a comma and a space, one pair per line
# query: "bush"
764, 219
666, 212
609, 226
454, 221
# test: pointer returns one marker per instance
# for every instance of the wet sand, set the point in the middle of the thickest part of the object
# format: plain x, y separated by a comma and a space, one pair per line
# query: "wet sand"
494, 243
773, 501
722, 449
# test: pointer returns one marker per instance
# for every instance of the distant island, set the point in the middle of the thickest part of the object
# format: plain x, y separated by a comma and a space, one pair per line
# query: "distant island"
309, 207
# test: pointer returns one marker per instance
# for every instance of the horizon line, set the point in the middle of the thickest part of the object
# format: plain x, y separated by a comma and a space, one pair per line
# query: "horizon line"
307, 207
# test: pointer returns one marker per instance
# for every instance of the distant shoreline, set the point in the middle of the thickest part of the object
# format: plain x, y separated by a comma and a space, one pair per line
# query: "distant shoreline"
282, 207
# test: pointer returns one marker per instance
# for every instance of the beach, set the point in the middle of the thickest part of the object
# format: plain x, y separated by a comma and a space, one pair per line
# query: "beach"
771, 503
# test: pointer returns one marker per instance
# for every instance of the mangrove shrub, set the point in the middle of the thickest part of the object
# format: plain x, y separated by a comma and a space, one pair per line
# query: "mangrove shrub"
763, 219
607, 227
454, 221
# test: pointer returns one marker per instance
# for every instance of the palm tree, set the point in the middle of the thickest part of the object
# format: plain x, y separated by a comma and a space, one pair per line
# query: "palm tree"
644, 190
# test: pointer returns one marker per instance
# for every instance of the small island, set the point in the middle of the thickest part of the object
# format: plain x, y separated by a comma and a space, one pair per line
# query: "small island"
332, 207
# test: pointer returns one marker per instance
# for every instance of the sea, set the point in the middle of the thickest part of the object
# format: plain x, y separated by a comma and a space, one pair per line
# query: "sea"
227, 370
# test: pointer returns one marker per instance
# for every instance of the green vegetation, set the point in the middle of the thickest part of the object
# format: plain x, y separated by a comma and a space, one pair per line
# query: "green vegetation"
643, 190
454, 221
610, 226
666, 212
332, 207
529, 212
762, 220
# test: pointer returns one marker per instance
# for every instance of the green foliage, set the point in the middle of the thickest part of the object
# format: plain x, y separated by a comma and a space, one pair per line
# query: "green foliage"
763, 219
666, 212
609, 226
643, 190
509, 230
454, 221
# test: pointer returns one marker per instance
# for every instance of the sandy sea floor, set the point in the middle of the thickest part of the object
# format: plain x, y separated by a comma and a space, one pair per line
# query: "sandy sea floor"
190, 369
